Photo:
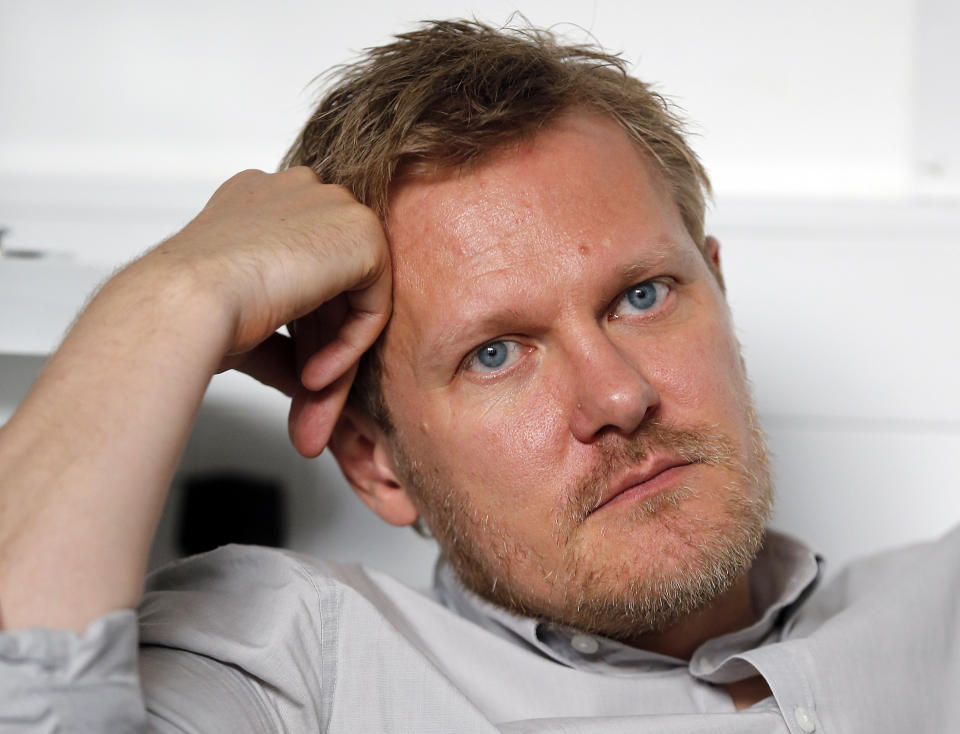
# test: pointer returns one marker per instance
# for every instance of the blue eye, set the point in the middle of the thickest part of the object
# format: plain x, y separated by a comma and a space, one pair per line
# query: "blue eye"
493, 356
644, 296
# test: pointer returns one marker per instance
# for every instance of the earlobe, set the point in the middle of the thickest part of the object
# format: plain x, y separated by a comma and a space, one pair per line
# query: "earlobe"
363, 452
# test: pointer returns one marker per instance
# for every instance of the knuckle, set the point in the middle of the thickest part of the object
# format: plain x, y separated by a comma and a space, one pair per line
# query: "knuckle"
363, 217
245, 178
249, 174
367, 227
301, 173
340, 192
360, 239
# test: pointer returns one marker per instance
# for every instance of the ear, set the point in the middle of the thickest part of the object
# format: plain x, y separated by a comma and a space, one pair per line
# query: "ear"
711, 251
366, 458
711, 248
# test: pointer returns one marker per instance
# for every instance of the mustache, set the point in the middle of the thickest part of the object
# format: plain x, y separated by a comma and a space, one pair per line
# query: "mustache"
702, 444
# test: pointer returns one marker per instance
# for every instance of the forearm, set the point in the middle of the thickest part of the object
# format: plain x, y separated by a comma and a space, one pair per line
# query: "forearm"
86, 461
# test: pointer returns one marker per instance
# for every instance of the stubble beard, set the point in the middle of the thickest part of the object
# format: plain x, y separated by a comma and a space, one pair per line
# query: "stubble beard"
682, 560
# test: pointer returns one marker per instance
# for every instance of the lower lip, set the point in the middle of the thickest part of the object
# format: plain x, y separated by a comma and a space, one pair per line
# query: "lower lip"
667, 479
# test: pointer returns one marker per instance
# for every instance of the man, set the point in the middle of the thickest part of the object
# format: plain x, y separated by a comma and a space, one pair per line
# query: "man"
558, 397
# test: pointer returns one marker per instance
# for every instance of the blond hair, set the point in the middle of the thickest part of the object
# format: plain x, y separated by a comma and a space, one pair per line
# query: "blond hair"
453, 91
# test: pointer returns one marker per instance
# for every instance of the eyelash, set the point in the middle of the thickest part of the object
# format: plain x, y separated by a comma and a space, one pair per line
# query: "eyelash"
663, 290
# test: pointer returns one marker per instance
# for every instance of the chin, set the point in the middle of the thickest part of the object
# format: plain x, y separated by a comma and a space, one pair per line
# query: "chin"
640, 571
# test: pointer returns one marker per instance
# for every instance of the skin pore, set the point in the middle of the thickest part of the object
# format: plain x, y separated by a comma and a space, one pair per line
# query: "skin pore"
557, 337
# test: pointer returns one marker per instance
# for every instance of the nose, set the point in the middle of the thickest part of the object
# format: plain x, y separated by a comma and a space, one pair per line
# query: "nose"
610, 390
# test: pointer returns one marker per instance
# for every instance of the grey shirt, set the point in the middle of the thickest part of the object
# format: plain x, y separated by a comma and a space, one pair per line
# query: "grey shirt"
247, 639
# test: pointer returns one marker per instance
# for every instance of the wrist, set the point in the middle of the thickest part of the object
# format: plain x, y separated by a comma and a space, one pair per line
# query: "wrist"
170, 303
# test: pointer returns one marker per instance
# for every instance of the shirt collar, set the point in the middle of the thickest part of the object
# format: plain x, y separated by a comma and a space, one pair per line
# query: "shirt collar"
782, 577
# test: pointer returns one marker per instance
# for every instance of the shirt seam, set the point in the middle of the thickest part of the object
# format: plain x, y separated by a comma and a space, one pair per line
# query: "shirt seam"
327, 710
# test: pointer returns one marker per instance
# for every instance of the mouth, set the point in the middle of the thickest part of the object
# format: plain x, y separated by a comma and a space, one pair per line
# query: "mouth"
639, 483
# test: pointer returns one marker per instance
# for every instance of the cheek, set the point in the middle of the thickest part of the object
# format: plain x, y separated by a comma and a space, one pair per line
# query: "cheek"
521, 439
699, 370
529, 432
508, 452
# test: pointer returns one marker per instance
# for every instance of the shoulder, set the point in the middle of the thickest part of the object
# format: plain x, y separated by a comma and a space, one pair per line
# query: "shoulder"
919, 579
925, 562
244, 587
250, 632
239, 565
238, 591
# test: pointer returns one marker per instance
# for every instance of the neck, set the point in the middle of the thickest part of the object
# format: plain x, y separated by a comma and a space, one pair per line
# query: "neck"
730, 612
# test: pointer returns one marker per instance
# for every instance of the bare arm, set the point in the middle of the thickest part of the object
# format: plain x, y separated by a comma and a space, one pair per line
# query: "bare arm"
86, 461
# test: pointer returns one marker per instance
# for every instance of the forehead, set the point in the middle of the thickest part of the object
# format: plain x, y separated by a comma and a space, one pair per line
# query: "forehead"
531, 217
458, 212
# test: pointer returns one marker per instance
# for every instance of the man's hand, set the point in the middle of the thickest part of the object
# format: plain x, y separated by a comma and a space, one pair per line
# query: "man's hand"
86, 461
282, 248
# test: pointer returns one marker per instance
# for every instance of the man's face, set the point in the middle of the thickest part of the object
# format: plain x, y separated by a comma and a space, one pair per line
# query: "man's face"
571, 412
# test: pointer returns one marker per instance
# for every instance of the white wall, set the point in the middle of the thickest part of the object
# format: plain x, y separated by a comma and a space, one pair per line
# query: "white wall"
827, 127
813, 99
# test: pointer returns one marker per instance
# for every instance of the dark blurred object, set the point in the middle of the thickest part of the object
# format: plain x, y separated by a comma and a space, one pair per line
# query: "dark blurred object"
228, 507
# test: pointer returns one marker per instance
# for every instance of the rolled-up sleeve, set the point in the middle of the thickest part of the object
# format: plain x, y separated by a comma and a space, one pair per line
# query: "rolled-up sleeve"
63, 681
229, 642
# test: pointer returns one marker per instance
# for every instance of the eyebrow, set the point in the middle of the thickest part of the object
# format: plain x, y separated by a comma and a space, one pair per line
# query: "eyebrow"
635, 271
469, 331
652, 260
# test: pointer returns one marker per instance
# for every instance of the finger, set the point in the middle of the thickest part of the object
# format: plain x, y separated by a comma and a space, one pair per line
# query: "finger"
368, 315
312, 332
358, 333
273, 362
313, 415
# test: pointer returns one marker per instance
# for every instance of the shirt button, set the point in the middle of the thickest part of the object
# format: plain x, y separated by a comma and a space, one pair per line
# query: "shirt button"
585, 644
804, 719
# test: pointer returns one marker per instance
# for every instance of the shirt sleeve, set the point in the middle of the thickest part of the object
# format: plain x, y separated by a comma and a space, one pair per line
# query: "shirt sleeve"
63, 681
226, 642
